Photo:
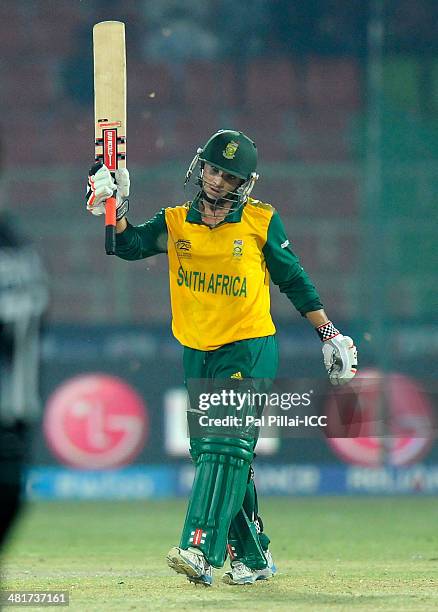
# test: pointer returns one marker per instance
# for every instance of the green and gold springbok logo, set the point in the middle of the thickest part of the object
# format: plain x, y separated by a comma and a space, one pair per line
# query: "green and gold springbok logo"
230, 150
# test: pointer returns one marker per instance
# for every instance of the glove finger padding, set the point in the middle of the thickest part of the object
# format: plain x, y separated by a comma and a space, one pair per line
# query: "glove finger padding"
340, 359
100, 187
123, 183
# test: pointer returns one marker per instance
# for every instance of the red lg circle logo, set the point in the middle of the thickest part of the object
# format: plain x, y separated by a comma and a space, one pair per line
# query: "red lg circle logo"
399, 436
95, 421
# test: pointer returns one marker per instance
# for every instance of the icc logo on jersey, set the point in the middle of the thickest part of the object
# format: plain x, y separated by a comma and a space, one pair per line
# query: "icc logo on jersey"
183, 248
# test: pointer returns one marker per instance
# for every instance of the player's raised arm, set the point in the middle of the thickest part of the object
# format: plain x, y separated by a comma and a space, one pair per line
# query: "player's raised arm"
132, 242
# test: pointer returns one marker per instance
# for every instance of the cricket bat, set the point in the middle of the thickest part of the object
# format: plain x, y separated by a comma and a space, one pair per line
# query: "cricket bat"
110, 109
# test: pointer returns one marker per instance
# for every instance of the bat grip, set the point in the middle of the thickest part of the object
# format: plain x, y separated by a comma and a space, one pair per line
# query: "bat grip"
110, 226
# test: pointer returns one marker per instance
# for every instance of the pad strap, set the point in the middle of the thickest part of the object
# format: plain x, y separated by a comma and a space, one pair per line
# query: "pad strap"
246, 540
244, 543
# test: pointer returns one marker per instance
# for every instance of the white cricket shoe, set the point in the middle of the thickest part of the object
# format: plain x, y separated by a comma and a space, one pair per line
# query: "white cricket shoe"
241, 574
270, 569
192, 563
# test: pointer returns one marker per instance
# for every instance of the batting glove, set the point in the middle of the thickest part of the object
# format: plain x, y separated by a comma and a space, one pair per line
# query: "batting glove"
339, 352
101, 185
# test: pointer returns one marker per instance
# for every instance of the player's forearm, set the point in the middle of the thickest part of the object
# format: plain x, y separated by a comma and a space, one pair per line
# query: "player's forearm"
121, 225
140, 241
317, 317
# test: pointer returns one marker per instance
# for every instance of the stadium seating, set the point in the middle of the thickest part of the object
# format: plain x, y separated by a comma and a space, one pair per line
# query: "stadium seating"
299, 113
332, 84
272, 84
206, 84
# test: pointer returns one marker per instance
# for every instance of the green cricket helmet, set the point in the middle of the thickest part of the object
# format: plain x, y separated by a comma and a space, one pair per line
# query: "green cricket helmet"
232, 152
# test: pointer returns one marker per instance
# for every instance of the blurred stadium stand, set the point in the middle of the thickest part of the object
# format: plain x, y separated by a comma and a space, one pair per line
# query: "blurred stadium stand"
303, 105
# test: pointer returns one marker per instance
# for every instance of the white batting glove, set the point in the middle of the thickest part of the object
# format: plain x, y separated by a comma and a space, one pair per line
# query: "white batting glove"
101, 186
123, 183
340, 354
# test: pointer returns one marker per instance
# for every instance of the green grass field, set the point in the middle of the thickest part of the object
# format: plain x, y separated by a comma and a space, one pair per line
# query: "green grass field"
332, 554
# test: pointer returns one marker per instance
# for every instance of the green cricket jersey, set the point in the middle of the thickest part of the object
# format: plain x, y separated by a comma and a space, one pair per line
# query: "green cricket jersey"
219, 277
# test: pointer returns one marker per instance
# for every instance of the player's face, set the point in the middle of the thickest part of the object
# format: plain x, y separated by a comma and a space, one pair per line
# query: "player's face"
217, 183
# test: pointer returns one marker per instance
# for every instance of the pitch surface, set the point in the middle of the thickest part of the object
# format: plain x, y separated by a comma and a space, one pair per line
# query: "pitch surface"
332, 554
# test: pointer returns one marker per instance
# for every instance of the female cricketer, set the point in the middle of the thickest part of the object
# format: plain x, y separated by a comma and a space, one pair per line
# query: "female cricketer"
223, 248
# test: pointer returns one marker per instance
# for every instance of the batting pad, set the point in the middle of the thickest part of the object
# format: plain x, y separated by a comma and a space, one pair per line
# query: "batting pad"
221, 476
244, 543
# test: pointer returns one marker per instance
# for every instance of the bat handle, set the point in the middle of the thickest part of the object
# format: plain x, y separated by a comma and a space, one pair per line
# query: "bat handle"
110, 226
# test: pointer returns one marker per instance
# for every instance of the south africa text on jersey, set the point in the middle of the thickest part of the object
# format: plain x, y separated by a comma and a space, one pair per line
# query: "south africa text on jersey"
223, 284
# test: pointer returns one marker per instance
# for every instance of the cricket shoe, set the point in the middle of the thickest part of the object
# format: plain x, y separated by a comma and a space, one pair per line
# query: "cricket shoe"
241, 574
269, 571
191, 563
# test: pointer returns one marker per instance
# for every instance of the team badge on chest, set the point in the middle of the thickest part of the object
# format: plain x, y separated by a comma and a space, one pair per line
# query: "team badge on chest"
237, 248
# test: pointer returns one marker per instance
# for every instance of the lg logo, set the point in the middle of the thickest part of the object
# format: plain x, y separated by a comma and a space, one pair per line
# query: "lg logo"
95, 421
386, 419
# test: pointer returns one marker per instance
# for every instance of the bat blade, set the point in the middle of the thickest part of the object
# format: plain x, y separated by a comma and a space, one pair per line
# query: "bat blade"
110, 108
